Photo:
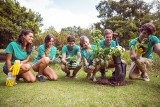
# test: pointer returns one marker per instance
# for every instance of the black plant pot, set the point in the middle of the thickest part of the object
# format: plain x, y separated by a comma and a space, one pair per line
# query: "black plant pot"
117, 59
120, 72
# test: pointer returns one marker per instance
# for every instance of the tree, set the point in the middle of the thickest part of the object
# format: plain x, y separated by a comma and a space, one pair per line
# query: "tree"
76, 31
124, 17
156, 15
14, 18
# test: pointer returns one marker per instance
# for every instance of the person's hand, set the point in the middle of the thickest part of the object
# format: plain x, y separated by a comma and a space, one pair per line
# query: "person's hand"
67, 64
58, 60
15, 68
74, 65
86, 64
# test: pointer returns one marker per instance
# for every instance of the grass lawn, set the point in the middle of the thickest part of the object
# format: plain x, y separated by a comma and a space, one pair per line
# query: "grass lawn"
80, 93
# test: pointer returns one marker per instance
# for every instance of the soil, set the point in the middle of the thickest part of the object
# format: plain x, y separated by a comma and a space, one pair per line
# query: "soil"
110, 81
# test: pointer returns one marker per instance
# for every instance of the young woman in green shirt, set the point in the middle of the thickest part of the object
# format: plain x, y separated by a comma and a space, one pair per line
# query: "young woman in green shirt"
20, 50
46, 55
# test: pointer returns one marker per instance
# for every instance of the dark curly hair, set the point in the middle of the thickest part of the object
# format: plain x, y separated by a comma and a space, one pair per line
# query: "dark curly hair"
149, 28
47, 39
20, 40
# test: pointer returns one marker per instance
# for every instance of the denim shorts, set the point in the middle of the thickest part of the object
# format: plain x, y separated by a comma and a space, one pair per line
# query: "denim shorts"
5, 70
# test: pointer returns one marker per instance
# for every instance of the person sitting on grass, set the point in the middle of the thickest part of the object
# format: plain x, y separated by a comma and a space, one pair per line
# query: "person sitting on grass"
142, 56
87, 57
20, 50
71, 58
46, 55
108, 43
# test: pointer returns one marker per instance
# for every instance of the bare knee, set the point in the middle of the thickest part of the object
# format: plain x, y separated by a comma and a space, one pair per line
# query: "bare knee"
30, 79
26, 67
131, 76
46, 60
53, 78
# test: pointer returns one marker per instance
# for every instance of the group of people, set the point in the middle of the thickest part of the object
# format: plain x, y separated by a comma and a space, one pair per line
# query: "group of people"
22, 50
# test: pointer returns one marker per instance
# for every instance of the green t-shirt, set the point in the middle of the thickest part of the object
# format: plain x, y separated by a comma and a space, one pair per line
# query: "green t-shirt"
41, 51
73, 52
17, 53
88, 54
103, 44
151, 41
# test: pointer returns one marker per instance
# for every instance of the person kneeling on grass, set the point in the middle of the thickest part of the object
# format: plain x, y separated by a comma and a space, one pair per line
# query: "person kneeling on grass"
108, 42
46, 55
87, 57
19, 51
141, 49
71, 58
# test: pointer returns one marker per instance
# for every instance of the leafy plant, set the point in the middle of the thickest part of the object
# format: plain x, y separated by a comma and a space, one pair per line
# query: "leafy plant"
116, 51
101, 56
139, 47
71, 60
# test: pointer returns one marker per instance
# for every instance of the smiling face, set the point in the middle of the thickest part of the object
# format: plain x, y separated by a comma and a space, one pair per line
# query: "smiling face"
108, 39
86, 43
28, 38
144, 34
71, 45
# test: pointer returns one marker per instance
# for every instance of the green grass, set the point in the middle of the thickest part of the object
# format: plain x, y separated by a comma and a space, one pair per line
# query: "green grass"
80, 93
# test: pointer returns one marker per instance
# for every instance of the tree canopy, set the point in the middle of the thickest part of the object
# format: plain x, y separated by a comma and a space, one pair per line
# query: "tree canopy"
14, 18
125, 17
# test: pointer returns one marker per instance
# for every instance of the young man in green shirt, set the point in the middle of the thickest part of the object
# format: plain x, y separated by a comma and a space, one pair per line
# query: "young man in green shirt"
71, 50
138, 66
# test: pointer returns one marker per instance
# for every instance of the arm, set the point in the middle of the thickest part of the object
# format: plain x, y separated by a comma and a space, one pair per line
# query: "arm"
157, 48
133, 55
86, 62
63, 59
79, 57
8, 61
26, 60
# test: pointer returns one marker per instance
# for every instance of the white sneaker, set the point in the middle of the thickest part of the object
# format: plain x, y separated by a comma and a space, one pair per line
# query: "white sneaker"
146, 78
15, 83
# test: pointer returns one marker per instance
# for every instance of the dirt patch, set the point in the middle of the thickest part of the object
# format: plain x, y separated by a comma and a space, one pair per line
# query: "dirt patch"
110, 81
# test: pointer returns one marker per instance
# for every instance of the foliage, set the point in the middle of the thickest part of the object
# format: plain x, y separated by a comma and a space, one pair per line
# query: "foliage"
14, 18
58, 54
72, 58
61, 37
71, 61
100, 55
96, 36
126, 16
139, 47
76, 31
116, 51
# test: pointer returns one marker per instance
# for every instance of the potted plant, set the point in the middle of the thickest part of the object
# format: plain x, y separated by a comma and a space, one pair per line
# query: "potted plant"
71, 61
116, 53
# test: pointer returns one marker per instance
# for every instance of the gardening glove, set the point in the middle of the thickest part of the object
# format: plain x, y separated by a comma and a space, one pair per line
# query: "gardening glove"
10, 80
67, 64
57, 60
15, 68
74, 65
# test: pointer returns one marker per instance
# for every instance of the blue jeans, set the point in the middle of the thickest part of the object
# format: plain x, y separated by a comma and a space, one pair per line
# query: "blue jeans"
5, 70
